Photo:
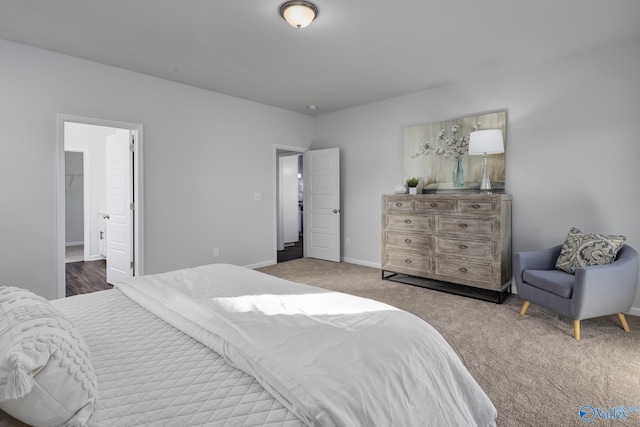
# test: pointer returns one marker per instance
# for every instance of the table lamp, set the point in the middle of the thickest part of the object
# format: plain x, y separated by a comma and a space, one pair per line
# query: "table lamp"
483, 142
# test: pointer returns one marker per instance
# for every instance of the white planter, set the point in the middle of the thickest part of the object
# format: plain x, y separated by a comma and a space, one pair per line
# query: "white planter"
413, 190
400, 189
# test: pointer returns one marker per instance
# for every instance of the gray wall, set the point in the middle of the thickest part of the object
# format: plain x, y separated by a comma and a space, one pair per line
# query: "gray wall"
573, 148
205, 155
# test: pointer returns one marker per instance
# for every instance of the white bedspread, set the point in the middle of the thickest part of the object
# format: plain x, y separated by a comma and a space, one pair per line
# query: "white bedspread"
151, 374
330, 358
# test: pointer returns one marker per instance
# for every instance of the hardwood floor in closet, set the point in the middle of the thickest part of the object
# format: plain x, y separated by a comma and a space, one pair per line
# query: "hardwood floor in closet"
292, 252
86, 276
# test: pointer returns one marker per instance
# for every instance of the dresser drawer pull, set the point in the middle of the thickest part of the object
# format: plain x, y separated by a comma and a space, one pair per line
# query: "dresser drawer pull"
464, 225
463, 246
476, 206
463, 270
407, 240
408, 261
399, 204
434, 205
407, 221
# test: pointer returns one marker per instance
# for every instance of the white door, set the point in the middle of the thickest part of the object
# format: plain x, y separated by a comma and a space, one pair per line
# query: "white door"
119, 199
322, 204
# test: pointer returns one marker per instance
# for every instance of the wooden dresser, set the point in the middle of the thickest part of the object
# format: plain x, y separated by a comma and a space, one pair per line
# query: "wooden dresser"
459, 239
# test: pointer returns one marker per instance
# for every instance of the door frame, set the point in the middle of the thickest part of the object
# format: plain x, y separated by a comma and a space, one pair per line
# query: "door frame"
138, 215
279, 150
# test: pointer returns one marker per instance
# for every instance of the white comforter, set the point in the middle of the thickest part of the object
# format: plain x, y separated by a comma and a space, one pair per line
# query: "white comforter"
332, 359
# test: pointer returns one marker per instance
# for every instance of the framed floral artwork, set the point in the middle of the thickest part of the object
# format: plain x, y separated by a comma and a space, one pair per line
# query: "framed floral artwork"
438, 154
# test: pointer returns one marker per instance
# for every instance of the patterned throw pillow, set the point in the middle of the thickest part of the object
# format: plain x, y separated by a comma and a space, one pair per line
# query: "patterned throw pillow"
582, 250
46, 375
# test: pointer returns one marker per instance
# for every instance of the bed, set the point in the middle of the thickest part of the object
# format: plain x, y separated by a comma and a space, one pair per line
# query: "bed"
221, 345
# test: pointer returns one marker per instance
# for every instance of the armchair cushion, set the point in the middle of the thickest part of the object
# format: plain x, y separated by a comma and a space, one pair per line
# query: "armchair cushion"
554, 281
582, 250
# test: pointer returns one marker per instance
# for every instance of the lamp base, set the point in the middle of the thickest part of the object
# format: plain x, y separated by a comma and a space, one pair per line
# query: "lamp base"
485, 184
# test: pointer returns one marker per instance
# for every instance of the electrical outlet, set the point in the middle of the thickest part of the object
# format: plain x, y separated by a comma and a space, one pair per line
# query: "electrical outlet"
348, 242
257, 196
216, 252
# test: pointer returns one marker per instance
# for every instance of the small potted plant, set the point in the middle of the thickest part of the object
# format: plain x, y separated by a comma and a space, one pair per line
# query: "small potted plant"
412, 183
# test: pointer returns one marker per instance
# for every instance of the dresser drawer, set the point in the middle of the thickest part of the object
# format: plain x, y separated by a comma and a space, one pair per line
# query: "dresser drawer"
464, 271
413, 242
409, 222
435, 205
399, 205
414, 262
462, 225
465, 248
471, 207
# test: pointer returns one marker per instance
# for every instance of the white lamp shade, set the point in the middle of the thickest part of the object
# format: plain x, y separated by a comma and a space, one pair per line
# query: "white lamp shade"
486, 141
299, 14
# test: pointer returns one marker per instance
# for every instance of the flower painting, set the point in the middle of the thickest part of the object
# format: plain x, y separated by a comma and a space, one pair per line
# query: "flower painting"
452, 146
434, 151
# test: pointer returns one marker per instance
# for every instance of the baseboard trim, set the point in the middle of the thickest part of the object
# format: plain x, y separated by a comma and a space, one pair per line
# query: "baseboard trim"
74, 243
363, 263
260, 264
349, 260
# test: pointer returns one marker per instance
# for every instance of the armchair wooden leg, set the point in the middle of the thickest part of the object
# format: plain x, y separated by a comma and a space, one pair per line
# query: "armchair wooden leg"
576, 329
524, 308
623, 321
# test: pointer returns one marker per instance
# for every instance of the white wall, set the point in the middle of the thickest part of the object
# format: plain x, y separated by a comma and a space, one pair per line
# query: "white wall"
573, 148
206, 155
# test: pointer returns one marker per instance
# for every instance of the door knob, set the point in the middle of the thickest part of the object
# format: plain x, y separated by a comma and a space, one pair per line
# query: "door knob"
335, 211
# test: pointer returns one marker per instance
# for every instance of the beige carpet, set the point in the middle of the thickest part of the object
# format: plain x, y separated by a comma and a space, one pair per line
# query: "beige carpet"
530, 366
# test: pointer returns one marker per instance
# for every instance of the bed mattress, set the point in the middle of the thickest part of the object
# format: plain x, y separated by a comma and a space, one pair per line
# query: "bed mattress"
187, 384
222, 345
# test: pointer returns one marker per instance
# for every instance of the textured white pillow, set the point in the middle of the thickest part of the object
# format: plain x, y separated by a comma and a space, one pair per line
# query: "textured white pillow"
46, 376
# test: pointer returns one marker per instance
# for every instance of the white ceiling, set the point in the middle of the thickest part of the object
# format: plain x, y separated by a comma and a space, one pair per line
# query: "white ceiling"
356, 52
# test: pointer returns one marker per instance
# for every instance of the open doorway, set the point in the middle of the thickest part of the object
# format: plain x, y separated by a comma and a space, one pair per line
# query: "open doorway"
319, 210
83, 273
88, 187
100, 211
291, 221
289, 204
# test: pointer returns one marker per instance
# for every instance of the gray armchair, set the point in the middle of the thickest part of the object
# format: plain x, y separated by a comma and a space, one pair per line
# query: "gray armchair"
594, 291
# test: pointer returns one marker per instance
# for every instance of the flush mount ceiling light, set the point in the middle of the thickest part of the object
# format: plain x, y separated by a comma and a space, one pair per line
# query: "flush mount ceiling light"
299, 13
